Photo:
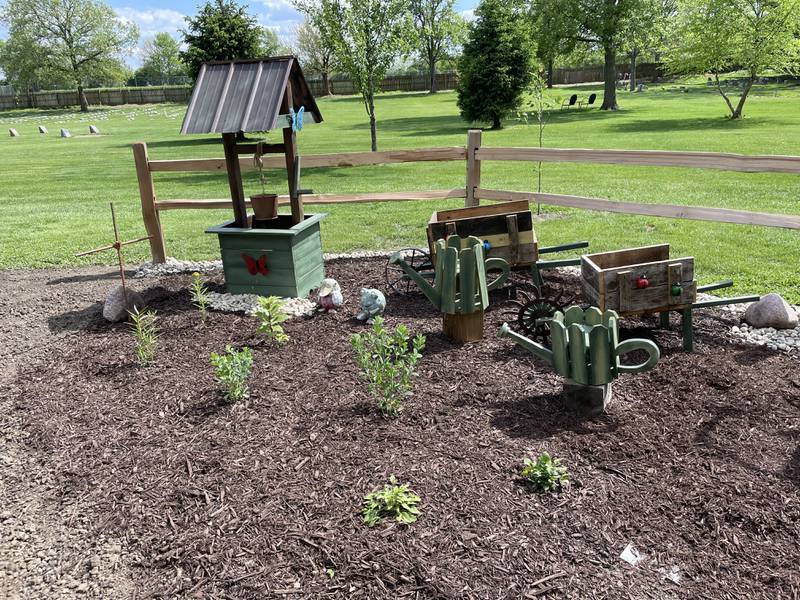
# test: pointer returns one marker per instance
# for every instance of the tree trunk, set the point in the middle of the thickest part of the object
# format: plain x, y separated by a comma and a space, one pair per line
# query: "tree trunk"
373, 129
82, 98
549, 73
610, 76
496, 124
737, 112
634, 56
432, 75
326, 84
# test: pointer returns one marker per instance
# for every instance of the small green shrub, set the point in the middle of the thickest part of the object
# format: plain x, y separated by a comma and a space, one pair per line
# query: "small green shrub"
387, 362
232, 370
199, 295
144, 327
394, 501
545, 474
270, 312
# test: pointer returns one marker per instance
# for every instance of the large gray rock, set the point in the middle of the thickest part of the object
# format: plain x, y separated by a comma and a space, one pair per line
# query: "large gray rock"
115, 309
771, 311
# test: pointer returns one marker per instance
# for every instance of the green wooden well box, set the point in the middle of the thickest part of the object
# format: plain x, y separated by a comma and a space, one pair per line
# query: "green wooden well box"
283, 260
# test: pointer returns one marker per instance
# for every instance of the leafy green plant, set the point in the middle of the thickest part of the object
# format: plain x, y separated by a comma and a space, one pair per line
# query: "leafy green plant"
387, 362
394, 501
232, 370
144, 327
271, 314
545, 473
199, 295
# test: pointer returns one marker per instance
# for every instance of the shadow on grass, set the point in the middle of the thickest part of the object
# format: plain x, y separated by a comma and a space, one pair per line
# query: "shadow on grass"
433, 125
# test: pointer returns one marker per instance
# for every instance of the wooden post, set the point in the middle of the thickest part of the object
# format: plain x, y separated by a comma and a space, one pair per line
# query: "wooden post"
290, 150
473, 167
235, 179
152, 223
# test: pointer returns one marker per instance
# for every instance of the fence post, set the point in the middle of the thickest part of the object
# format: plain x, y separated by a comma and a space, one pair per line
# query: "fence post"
152, 223
473, 167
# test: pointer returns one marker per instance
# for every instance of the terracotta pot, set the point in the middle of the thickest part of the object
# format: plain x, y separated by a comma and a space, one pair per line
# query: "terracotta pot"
265, 206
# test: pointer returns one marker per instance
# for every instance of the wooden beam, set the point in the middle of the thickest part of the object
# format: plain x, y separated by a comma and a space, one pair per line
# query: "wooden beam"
343, 159
147, 195
319, 199
235, 180
292, 164
473, 167
262, 148
670, 211
649, 158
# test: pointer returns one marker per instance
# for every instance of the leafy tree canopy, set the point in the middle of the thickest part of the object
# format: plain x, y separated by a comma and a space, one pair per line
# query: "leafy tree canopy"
223, 30
73, 40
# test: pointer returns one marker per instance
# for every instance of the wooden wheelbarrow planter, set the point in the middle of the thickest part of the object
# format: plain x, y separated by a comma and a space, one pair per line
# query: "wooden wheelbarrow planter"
645, 280
507, 232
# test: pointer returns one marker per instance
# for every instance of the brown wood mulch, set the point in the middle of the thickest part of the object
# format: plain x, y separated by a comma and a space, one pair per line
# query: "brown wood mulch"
697, 463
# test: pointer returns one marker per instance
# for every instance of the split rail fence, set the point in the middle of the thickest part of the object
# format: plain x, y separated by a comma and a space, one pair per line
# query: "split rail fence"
473, 155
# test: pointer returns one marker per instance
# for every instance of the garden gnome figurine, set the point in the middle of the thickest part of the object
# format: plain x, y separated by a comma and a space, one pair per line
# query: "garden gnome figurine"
373, 303
329, 295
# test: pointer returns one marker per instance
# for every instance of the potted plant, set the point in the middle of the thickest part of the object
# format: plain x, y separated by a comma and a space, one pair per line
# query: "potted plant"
265, 206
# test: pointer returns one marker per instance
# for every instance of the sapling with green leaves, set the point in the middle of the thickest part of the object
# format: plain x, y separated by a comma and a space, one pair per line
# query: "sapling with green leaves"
271, 314
394, 501
544, 474
232, 369
199, 295
144, 327
388, 361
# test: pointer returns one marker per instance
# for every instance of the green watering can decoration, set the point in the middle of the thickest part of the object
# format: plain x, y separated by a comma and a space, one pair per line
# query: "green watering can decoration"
586, 349
460, 288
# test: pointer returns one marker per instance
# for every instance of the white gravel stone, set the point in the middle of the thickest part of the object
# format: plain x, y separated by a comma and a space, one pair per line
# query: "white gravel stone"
247, 303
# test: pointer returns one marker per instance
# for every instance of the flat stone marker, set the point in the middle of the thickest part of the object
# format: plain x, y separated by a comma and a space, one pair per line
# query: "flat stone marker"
13, 132
65, 133
42, 129
93, 130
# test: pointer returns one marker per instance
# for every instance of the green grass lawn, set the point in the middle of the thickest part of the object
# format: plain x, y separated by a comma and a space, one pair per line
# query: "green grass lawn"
54, 192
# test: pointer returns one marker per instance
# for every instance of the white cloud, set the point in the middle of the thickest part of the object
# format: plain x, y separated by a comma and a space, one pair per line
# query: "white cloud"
152, 21
469, 14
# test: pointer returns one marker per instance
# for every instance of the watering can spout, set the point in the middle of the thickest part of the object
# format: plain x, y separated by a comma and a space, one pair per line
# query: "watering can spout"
529, 345
424, 286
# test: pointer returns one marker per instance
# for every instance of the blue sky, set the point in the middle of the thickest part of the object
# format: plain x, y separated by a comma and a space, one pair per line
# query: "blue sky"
152, 17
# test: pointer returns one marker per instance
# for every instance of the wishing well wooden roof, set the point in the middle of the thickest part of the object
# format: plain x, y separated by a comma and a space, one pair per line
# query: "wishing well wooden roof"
245, 95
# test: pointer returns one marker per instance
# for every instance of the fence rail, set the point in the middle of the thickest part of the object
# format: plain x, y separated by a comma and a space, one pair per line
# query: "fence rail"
474, 155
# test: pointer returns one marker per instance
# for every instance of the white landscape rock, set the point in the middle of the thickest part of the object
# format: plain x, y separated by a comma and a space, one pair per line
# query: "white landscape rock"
771, 311
115, 309
247, 303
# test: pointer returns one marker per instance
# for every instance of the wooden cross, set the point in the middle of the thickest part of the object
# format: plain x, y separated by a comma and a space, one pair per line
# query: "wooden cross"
117, 245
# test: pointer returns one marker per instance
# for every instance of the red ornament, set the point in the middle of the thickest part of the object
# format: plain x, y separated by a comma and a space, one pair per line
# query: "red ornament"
642, 282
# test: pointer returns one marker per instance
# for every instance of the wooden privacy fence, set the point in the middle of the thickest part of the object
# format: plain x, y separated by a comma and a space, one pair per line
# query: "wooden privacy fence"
473, 156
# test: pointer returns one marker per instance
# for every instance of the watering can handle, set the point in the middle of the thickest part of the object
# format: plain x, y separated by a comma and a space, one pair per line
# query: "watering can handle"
638, 344
497, 263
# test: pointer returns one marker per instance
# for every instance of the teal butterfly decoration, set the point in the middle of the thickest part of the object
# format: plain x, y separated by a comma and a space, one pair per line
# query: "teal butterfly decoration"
297, 118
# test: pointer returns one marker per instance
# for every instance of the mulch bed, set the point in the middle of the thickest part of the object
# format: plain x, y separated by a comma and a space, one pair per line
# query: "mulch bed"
696, 463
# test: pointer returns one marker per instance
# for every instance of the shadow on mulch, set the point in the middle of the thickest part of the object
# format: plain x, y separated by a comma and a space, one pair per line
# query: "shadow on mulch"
542, 417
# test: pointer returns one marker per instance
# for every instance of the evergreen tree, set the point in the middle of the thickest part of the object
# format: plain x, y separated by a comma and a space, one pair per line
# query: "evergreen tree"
496, 65
222, 30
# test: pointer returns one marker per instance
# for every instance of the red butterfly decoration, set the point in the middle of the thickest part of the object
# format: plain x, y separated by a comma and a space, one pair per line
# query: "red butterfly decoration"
256, 266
